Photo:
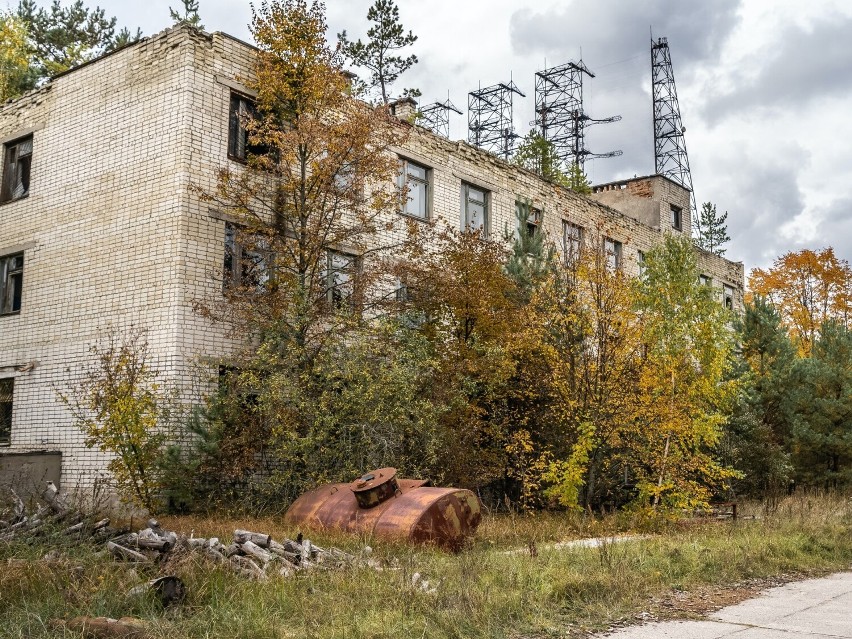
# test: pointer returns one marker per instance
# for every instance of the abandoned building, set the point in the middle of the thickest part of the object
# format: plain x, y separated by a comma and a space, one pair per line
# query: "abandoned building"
99, 226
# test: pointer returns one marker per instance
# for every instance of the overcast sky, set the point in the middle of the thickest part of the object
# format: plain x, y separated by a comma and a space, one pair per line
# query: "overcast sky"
765, 90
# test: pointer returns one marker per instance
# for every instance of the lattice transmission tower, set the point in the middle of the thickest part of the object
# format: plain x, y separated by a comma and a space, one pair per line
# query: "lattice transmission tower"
489, 118
670, 158
436, 116
559, 112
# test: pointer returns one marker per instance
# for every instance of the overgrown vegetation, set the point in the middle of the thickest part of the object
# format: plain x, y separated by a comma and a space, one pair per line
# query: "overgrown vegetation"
540, 375
484, 592
120, 407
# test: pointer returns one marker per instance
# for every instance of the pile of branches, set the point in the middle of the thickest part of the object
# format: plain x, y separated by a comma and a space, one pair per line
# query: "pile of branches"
250, 554
54, 514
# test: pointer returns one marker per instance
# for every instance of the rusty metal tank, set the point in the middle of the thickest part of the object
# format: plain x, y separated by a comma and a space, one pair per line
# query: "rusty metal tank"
388, 507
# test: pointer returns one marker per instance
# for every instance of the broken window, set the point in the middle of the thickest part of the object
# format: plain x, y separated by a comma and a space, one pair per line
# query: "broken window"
11, 283
245, 266
533, 221
241, 111
640, 262
705, 280
612, 253
728, 296
572, 241
474, 208
416, 179
7, 386
403, 292
16, 169
676, 214
340, 278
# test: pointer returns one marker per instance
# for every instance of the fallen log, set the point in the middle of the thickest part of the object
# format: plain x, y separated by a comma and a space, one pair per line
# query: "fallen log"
104, 627
281, 551
150, 540
260, 539
125, 553
256, 552
160, 545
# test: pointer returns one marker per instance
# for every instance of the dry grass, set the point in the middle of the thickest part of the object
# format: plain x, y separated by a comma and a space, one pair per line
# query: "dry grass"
482, 592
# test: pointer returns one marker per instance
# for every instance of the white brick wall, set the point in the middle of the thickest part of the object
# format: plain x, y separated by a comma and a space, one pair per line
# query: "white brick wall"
116, 236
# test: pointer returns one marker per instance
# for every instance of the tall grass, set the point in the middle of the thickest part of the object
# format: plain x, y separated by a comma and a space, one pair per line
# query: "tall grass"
482, 592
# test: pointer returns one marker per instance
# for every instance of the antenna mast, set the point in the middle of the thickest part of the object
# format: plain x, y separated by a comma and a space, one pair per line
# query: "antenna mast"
436, 116
670, 158
559, 112
489, 118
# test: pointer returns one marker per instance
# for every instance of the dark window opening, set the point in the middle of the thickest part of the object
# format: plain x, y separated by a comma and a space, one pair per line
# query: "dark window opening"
728, 293
11, 283
533, 221
246, 267
16, 169
241, 111
7, 387
677, 215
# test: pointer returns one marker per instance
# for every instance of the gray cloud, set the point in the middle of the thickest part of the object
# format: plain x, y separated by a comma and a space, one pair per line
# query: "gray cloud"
610, 30
759, 202
808, 64
835, 228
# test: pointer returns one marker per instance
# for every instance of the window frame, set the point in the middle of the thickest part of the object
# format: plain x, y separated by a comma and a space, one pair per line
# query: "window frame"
347, 301
705, 280
640, 263
6, 412
402, 180
235, 274
616, 253
533, 222
13, 171
676, 217
237, 128
466, 187
9, 274
574, 254
728, 300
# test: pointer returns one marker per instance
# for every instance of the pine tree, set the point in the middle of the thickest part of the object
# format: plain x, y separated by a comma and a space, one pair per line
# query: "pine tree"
577, 180
712, 229
190, 14
65, 37
531, 255
538, 155
377, 55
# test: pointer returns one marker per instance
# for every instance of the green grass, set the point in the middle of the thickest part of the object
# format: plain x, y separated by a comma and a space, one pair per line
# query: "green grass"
482, 592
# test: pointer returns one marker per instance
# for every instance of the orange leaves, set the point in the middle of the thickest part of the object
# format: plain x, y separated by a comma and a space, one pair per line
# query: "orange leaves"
808, 288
